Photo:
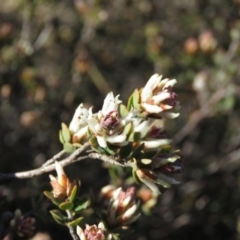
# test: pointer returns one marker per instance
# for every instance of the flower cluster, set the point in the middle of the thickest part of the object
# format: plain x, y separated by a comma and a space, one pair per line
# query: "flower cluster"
134, 133
22, 226
93, 232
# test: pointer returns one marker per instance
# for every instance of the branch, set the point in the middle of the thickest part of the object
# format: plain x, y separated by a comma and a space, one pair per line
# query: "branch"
107, 159
71, 229
44, 169
54, 158
74, 157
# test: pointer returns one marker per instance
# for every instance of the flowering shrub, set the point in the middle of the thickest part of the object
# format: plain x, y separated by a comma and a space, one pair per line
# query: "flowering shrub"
132, 136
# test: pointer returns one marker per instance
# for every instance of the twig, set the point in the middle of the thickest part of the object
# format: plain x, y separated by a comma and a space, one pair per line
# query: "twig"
74, 157
44, 169
71, 229
54, 158
107, 159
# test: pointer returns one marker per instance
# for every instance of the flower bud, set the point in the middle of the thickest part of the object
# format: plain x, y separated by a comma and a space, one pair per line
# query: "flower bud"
93, 232
122, 208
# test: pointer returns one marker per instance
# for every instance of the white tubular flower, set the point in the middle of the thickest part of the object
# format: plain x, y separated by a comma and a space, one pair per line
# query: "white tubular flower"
98, 131
151, 85
149, 128
80, 118
155, 144
157, 98
81, 134
107, 125
110, 103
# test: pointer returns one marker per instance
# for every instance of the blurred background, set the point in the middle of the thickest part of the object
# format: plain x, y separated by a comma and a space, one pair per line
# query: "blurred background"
57, 54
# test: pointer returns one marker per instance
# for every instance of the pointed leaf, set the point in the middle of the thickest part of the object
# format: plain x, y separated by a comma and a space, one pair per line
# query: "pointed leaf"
77, 145
75, 222
125, 151
136, 97
58, 217
73, 193
66, 206
166, 149
82, 204
123, 111
93, 142
107, 151
130, 103
51, 197
127, 129
66, 133
136, 178
61, 137
68, 147
134, 137
137, 151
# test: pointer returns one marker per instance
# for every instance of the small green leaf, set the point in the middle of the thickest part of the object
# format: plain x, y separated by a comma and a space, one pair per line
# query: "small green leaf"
68, 147
134, 137
51, 197
127, 129
58, 217
61, 137
93, 142
125, 151
77, 145
73, 193
130, 103
136, 97
166, 149
66, 206
108, 151
123, 110
82, 204
75, 222
136, 178
66, 133
137, 151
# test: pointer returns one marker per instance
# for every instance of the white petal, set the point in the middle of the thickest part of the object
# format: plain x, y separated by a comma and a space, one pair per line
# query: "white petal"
161, 97
107, 101
152, 83
81, 133
116, 139
170, 83
101, 141
143, 127
129, 212
151, 108
117, 193
101, 225
79, 231
92, 122
154, 144
52, 178
132, 219
74, 125
59, 169
162, 84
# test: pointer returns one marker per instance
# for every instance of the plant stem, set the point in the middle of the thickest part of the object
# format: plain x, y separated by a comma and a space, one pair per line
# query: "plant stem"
71, 229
